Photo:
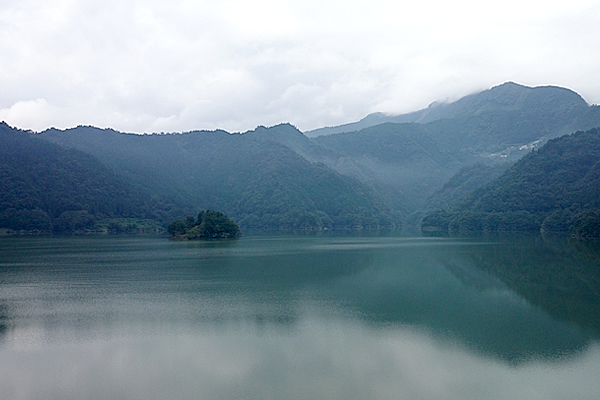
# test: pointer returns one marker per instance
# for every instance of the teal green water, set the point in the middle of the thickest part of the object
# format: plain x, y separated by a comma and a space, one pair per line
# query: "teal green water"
299, 317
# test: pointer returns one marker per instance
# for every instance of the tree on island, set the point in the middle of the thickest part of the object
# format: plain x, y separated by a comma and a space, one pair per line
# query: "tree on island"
209, 225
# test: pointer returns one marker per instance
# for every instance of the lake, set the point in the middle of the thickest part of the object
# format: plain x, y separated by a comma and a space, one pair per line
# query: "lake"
299, 317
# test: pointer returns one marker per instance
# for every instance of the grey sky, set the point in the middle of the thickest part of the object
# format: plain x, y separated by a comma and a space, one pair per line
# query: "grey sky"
177, 65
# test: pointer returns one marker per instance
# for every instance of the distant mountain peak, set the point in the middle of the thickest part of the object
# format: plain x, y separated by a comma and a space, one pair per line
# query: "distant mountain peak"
508, 96
510, 84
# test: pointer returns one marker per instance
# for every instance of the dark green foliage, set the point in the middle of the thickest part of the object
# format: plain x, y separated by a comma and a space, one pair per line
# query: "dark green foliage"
475, 221
587, 225
177, 227
48, 188
128, 225
70, 221
277, 178
26, 220
558, 220
436, 221
254, 177
553, 189
209, 225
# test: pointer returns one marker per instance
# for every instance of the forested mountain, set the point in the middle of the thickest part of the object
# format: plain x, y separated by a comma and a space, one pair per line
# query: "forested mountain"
410, 161
566, 105
367, 122
555, 188
277, 177
252, 177
46, 187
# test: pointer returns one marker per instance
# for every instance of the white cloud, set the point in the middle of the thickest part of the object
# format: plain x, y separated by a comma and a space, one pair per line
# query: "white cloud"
181, 65
37, 112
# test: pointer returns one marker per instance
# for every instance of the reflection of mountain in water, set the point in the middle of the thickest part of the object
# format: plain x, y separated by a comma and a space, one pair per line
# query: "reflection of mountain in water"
459, 290
94, 282
464, 291
438, 286
3, 320
473, 277
559, 276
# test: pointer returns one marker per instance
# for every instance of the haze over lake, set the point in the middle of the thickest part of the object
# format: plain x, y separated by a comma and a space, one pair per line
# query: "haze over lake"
299, 317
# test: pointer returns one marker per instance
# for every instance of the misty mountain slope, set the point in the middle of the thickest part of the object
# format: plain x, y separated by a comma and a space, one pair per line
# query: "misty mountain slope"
378, 173
145, 160
509, 97
313, 151
410, 159
367, 122
47, 187
588, 120
289, 136
252, 177
511, 115
350, 166
550, 189
495, 126
462, 183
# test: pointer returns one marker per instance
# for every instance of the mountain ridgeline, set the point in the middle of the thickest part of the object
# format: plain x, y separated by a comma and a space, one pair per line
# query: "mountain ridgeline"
562, 107
409, 162
555, 188
381, 173
260, 183
46, 187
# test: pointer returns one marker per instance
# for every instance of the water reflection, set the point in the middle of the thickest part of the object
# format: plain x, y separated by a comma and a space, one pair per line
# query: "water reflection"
321, 359
589, 248
446, 290
3, 320
558, 275
298, 317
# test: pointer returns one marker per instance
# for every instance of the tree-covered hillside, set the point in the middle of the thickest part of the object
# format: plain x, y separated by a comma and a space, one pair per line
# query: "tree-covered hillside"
278, 178
49, 188
253, 177
413, 160
555, 188
209, 224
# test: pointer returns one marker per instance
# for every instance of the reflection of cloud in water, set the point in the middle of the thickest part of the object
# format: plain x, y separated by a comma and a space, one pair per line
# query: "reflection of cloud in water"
323, 359
292, 318
426, 282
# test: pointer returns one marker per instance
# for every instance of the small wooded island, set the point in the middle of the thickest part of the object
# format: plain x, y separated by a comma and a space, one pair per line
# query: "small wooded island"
209, 225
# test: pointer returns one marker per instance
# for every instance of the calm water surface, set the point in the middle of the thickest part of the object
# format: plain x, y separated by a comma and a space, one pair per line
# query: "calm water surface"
299, 317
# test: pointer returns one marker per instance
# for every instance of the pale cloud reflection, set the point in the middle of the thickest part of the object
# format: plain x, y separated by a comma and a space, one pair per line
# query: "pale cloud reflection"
319, 359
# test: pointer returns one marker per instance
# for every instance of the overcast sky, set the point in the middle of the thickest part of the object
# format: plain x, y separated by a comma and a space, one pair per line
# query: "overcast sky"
178, 65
